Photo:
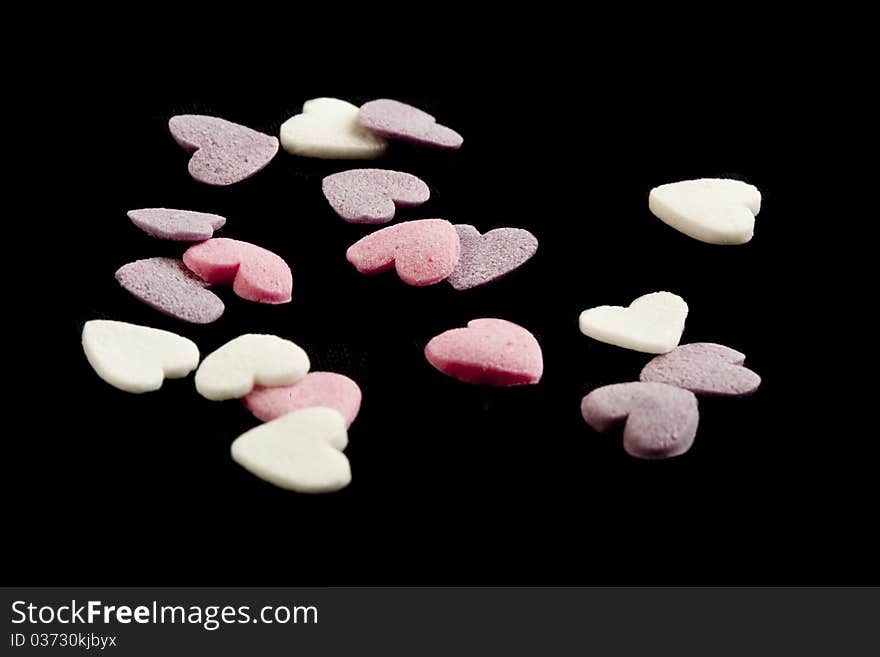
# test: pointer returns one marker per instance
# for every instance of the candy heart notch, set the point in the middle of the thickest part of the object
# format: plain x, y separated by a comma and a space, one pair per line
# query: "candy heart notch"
255, 273
369, 196
423, 252
489, 351
136, 358
659, 421
300, 451
177, 225
247, 361
653, 323
328, 128
396, 120
703, 368
713, 210
488, 257
168, 286
326, 389
224, 153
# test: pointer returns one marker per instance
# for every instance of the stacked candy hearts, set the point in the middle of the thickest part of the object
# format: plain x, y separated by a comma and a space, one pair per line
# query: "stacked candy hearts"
306, 414
179, 288
659, 412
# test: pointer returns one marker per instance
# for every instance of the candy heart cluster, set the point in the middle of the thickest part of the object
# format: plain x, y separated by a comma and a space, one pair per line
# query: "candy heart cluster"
427, 251
179, 288
306, 414
659, 412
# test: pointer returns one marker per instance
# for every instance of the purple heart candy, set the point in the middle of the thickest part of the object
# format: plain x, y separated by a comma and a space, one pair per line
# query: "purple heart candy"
488, 257
168, 286
396, 120
369, 196
659, 420
223, 152
178, 225
703, 368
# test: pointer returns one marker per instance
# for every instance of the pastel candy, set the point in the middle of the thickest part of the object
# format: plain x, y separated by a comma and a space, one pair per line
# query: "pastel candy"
659, 421
136, 358
395, 120
178, 225
489, 351
423, 252
300, 451
255, 273
369, 196
653, 323
168, 286
223, 152
328, 128
713, 210
703, 368
315, 389
250, 360
488, 257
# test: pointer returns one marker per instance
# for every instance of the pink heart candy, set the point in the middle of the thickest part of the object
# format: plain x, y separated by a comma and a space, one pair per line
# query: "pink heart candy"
369, 196
489, 351
315, 389
223, 152
659, 421
396, 120
703, 368
424, 252
255, 273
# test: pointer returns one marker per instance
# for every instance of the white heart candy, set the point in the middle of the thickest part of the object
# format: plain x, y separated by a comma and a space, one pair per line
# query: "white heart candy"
300, 451
251, 359
713, 210
653, 323
137, 358
328, 129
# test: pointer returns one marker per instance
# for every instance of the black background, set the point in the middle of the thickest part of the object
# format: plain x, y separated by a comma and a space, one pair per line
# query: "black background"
452, 483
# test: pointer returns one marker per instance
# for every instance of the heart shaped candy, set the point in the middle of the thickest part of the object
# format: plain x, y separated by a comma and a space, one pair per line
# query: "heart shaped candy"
488, 257
659, 420
328, 128
424, 252
250, 360
653, 323
714, 210
136, 358
255, 273
369, 196
396, 120
326, 389
168, 286
178, 225
703, 368
490, 351
223, 152
300, 451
